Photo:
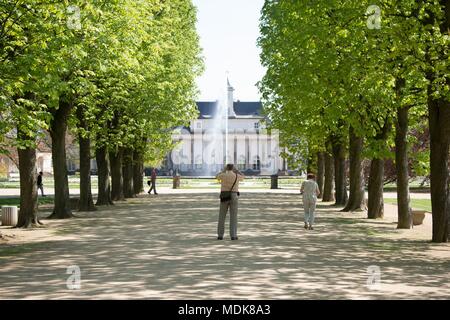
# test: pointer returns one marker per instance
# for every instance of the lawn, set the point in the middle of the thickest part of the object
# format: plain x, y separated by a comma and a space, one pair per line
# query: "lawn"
418, 204
15, 201
415, 185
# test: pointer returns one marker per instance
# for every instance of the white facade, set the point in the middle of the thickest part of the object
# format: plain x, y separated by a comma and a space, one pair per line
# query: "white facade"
44, 162
201, 148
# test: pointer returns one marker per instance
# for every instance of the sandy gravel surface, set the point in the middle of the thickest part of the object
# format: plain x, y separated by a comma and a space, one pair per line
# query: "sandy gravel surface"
165, 247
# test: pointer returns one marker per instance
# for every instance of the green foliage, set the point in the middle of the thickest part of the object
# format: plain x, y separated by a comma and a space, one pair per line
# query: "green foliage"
327, 70
127, 67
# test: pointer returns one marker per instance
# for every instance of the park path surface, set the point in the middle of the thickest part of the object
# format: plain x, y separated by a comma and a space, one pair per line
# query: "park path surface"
165, 247
11, 192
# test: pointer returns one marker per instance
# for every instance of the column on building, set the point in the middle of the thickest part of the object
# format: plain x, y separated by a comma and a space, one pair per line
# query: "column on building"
257, 157
241, 151
219, 145
253, 148
275, 143
175, 154
186, 150
235, 156
230, 155
197, 129
264, 152
206, 148
272, 158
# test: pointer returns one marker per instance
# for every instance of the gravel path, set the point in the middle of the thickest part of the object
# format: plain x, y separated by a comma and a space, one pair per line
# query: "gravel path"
164, 247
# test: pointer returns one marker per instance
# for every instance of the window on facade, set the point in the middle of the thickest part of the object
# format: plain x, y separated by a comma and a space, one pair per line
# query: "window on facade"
257, 164
256, 125
71, 166
199, 125
241, 163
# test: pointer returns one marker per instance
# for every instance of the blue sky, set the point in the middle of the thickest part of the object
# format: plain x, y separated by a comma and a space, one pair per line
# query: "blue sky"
228, 33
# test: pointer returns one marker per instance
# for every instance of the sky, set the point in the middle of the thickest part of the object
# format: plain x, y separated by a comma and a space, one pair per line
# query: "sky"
228, 32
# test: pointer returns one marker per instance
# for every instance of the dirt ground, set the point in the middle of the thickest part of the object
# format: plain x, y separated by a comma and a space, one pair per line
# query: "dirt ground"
165, 247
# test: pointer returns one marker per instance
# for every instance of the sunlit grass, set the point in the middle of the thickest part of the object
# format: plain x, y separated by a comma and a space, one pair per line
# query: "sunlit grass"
15, 201
418, 204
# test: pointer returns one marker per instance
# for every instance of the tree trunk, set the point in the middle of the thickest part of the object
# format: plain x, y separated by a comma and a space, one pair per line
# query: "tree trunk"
104, 186
138, 171
58, 129
28, 213
127, 171
439, 120
86, 202
328, 195
339, 170
357, 193
376, 178
115, 158
320, 171
401, 166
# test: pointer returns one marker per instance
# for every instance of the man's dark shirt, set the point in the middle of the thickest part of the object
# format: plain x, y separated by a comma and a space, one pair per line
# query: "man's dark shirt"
39, 180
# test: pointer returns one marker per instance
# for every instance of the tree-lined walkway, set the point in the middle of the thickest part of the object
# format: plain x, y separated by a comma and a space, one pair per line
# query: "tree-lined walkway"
164, 248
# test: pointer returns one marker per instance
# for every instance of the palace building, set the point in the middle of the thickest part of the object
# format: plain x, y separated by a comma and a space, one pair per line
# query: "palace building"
226, 132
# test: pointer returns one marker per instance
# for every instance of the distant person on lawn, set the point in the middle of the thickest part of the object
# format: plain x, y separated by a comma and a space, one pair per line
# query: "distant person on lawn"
40, 183
229, 192
310, 191
152, 182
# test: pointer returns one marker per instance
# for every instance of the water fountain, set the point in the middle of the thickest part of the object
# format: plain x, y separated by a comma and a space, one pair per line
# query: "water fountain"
216, 137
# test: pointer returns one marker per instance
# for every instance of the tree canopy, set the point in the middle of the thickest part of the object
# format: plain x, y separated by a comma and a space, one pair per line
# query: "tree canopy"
334, 65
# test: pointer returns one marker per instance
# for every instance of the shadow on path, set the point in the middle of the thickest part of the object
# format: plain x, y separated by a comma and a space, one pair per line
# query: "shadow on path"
164, 247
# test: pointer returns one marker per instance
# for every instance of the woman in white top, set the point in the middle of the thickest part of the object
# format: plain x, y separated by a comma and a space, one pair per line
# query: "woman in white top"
310, 191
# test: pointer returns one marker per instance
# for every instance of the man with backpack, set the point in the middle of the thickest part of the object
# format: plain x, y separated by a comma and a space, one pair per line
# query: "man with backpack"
229, 193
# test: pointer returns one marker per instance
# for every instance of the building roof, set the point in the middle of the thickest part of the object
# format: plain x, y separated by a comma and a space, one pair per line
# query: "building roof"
247, 108
208, 109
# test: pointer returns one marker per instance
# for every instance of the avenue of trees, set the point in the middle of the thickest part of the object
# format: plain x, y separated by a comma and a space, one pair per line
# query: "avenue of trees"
117, 74
355, 81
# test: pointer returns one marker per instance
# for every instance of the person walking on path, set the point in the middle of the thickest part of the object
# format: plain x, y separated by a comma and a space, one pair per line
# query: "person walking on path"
229, 193
152, 182
310, 191
40, 183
